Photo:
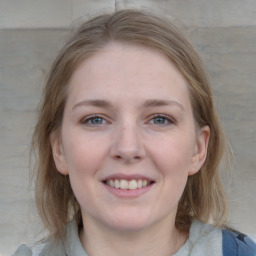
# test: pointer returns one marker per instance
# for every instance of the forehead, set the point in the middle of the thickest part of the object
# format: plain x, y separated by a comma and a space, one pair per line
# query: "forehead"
119, 69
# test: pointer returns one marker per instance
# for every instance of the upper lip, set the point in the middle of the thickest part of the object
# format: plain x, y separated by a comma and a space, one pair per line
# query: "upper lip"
120, 176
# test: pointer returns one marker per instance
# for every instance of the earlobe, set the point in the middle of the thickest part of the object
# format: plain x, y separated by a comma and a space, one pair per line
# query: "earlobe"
58, 154
201, 147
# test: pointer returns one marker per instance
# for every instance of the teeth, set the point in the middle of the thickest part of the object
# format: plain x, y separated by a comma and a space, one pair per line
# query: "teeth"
133, 184
116, 183
125, 184
140, 184
111, 183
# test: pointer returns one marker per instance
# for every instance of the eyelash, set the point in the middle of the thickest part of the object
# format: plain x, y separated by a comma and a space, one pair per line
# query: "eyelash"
163, 117
89, 119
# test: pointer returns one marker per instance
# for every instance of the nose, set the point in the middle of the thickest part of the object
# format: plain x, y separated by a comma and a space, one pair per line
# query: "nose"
127, 144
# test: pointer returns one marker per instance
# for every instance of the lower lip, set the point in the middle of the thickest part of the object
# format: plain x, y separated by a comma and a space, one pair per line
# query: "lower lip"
128, 193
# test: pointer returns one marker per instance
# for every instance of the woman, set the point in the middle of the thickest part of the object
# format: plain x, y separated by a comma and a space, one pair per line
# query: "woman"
129, 145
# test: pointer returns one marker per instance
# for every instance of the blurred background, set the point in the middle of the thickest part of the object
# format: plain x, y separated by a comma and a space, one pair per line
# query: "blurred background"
32, 32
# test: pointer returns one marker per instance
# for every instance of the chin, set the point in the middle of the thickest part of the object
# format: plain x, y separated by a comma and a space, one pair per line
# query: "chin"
129, 223
128, 226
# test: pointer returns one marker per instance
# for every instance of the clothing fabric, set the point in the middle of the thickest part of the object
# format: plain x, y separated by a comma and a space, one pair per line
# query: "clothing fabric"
204, 239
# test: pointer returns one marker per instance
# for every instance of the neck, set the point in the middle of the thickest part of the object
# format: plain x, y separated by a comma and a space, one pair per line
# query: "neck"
157, 240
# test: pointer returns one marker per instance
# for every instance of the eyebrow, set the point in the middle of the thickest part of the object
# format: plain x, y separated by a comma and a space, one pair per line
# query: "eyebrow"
160, 103
147, 104
94, 103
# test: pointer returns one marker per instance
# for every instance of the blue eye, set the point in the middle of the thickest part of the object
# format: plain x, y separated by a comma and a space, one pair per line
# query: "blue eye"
94, 121
161, 120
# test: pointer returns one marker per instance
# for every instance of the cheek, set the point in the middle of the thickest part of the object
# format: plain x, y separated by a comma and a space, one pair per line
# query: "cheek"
173, 160
173, 154
80, 158
84, 158
81, 151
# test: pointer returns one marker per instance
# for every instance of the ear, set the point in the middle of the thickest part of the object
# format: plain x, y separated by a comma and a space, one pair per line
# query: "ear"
58, 154
200, 152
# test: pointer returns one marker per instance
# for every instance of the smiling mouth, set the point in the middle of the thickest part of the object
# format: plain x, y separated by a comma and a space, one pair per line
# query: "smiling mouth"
128, 184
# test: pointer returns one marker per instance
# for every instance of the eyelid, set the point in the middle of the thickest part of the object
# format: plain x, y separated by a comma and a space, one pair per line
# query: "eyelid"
87, 118
170, 119
105, 119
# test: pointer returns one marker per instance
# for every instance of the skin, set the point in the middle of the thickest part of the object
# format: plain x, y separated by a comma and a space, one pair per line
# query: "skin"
126, 135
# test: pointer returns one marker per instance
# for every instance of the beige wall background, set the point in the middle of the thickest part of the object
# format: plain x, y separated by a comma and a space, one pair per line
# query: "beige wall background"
32, 31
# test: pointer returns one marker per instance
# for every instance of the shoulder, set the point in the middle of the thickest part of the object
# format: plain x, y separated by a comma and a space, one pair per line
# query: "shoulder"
235, 243
51, 246
229, 242
25, 250
204, 239
202, 233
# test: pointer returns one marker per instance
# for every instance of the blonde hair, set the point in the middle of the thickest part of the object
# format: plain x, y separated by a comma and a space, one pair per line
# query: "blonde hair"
203, 197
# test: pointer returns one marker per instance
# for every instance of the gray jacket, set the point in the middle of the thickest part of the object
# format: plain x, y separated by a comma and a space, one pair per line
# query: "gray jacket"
204, 239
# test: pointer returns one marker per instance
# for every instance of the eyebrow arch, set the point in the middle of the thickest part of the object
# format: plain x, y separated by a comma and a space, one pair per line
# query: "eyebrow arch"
160, 103
94, 103
148, 103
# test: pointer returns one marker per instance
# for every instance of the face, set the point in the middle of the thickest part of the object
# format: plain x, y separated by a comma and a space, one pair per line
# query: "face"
128, 139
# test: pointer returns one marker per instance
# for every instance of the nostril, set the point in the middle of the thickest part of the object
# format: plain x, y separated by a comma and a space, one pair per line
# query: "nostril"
127, 146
